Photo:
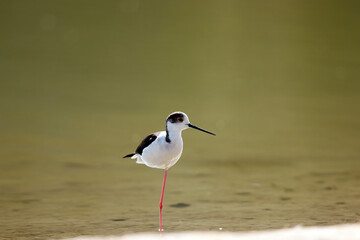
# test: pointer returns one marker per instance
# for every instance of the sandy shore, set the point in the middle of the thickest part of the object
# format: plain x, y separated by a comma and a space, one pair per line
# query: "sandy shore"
343, 232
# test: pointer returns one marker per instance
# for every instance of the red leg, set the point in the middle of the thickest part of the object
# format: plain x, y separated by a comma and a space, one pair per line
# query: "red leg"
161, 200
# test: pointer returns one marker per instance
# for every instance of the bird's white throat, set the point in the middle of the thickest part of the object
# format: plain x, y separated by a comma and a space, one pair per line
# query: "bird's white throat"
173, 132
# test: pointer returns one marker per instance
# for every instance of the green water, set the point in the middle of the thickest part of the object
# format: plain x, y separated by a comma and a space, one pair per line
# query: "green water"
81, 82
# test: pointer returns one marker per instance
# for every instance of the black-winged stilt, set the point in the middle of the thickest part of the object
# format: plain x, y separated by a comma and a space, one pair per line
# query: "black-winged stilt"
163, 149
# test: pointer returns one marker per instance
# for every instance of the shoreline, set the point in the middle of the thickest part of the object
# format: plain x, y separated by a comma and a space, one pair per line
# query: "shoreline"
336, 232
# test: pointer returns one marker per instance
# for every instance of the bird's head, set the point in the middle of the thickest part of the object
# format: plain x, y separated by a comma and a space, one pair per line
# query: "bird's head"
178, 121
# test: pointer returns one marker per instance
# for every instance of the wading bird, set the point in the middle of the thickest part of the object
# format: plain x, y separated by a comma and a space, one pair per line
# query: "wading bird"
163, 149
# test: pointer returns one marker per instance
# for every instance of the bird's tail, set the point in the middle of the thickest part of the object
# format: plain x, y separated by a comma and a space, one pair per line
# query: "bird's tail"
129, 155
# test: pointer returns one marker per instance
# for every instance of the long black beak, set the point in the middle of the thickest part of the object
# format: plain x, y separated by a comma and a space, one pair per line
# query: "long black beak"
195, 127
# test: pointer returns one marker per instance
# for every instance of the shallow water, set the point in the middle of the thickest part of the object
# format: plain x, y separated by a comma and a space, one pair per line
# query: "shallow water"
82, 83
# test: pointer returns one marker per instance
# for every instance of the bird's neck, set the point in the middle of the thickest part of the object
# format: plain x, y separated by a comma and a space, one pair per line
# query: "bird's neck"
172, 135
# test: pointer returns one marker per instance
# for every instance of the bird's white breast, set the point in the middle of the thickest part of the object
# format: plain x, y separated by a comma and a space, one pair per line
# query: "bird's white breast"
161, 154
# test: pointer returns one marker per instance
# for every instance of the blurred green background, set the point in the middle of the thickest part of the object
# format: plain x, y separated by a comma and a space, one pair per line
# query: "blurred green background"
82, 82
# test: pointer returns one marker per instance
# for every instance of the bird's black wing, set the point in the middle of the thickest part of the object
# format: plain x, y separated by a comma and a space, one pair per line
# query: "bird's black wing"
129, 155
146, 142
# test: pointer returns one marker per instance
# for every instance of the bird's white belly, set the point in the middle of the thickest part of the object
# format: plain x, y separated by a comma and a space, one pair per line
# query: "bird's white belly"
161, 154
